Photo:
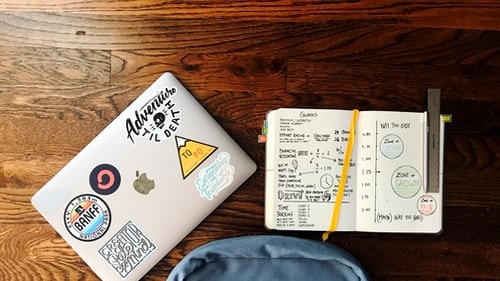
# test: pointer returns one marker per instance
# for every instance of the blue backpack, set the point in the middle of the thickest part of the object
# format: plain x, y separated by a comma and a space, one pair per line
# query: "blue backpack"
273, 258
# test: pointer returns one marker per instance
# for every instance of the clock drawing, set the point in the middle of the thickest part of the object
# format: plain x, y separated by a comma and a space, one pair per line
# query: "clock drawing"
326, 181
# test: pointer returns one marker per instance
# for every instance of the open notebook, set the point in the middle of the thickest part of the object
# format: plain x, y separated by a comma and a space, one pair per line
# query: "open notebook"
385, 185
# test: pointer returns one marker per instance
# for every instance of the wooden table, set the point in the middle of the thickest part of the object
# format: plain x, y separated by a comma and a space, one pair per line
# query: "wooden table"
67, 68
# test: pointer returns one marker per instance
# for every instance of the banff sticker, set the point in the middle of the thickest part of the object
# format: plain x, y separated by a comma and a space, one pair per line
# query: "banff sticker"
157, 120
87, 217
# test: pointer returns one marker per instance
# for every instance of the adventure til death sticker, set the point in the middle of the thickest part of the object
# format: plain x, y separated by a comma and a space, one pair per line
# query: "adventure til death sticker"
157, 120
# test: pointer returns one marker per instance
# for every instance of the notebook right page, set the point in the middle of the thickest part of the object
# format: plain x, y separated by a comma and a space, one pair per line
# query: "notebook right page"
392, 175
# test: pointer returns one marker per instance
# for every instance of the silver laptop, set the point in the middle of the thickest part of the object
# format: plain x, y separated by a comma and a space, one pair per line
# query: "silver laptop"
146, 181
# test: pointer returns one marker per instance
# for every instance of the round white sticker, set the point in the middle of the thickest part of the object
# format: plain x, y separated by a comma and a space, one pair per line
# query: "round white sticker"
87, 217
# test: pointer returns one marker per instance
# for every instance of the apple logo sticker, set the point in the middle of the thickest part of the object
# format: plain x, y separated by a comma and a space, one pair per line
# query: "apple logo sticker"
142, 183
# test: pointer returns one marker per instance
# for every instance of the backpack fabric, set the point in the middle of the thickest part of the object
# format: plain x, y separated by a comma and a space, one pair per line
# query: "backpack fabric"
268, 257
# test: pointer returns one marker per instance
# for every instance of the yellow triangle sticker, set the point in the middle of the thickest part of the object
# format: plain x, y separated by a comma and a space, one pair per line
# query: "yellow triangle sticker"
192, 154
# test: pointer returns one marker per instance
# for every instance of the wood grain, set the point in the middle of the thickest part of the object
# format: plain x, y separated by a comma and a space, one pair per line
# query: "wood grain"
320, 40
68, 68
456, 14
53, 66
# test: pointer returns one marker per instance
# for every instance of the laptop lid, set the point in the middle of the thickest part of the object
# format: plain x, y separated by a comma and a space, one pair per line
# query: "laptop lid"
148, 179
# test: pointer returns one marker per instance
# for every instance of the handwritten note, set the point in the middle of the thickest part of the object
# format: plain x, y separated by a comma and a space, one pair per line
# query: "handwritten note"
385, 189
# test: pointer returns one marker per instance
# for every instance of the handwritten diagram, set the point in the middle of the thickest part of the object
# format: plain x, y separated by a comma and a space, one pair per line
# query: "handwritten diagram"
385, 188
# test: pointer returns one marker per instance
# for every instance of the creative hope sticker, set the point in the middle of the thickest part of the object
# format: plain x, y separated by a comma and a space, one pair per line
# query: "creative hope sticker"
214, 178
157, 120
127, 249
87, 217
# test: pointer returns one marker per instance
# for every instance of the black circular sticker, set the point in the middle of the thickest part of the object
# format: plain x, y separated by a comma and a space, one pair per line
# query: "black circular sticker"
104, 179
87, 217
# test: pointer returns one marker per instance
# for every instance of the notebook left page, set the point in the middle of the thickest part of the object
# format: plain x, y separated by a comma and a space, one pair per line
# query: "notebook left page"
304, 157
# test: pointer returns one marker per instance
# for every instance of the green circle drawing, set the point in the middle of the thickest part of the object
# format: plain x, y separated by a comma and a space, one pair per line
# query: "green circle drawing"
406, 181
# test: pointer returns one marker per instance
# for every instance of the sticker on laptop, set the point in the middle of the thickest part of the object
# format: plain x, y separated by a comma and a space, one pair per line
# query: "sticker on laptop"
142, 183
87, 217
157, 120
214, 178
127, 249
192, 154
104, 179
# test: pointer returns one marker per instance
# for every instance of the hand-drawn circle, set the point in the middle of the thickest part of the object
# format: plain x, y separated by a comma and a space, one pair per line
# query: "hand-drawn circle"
391, 146
406, 181
105, 179
326, 181
426, 205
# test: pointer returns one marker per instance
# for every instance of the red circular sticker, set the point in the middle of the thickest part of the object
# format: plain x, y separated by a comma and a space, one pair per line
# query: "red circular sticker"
105, 179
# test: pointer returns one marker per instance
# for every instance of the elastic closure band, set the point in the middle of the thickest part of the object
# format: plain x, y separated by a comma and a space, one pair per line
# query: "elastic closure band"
343, 177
